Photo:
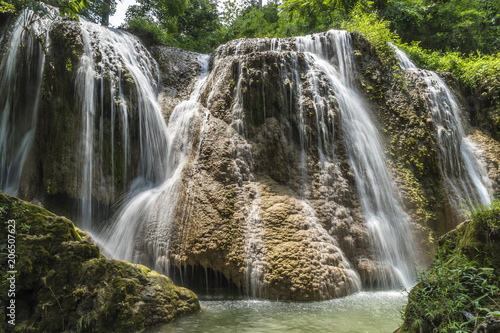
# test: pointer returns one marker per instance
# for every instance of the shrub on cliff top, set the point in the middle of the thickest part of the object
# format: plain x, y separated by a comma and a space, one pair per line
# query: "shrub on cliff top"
478, 72
374, 29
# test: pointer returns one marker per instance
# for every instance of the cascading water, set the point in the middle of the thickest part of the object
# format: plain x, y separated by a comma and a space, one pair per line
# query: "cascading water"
335, 277
465, 178
133, 162
255, 250
388, 223
21, 73
141, 230
328, 163
132, 154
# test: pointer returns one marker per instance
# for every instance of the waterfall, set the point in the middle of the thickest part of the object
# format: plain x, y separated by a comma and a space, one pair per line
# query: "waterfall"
336, 275
141, 230
324, 114
21, 74
389, 225
131, 162
465, 179
131, 157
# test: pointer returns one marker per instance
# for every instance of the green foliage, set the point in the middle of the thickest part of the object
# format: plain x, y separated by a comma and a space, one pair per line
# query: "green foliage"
462, 279
163, 13
255, 22
450, 287
315, 16
68, 8
454, 25
199, 28
98, 11
374, 29
192, 25
486, 215
150, 32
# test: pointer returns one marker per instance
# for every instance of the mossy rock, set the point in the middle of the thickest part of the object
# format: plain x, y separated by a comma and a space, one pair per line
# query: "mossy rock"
64, 284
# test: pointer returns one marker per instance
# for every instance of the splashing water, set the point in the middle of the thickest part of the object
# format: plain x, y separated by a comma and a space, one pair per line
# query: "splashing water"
141, 230
465, 178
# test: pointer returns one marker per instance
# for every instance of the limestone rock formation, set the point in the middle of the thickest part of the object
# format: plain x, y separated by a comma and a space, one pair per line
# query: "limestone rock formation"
64, 284
309, 216
268, 196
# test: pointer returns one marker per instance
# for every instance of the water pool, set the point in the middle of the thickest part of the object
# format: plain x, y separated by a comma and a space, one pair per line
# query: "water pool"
364, 312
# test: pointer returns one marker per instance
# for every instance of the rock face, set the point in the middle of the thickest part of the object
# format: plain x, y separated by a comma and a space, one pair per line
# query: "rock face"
259, 148
64, 284
268, 197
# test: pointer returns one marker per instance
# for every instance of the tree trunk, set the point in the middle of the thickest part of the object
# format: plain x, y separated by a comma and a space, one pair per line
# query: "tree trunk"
105, 12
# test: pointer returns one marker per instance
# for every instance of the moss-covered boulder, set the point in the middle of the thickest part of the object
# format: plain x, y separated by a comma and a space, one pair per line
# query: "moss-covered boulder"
64, 284
462, 286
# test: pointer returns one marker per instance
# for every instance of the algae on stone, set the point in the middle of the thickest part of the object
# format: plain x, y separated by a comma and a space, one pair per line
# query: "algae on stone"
64, 284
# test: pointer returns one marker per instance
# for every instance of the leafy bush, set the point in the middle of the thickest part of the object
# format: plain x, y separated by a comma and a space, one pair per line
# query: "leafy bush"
462, 285
150, 32
488, 216
374, 29
451, 295
69, 8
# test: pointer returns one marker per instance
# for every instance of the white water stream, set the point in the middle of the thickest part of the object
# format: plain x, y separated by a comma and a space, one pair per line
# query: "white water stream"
466, 180
149, 211
113, 59
389, 225
21, 74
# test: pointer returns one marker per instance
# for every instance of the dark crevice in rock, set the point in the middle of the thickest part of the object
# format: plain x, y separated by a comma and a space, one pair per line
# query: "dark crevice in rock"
204, 281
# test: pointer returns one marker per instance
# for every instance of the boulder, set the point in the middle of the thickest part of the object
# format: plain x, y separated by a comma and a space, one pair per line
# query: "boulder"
64, 284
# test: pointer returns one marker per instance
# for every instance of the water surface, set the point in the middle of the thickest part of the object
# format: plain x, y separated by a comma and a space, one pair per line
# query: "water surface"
364, 312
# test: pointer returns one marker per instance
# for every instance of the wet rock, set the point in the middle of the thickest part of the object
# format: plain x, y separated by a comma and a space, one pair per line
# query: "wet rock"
308, 234
178, 71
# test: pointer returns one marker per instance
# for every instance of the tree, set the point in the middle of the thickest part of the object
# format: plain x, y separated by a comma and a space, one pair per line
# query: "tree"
164, 12
447, 25
199, 28
194, 25
256, 22
99, 11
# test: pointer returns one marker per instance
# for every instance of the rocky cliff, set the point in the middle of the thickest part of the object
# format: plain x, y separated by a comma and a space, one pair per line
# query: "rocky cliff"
250, 154
269, 197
